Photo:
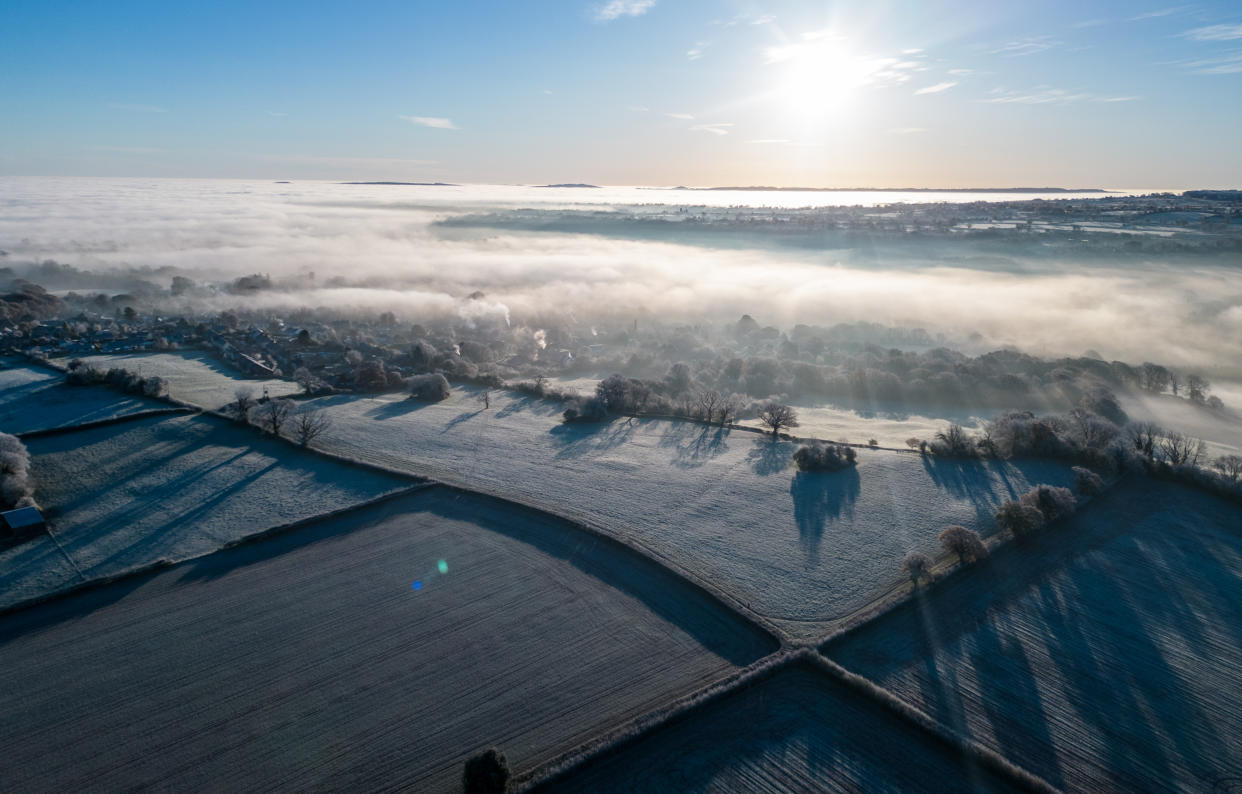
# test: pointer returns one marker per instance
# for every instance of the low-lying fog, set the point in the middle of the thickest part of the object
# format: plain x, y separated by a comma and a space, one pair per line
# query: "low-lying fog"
379, 247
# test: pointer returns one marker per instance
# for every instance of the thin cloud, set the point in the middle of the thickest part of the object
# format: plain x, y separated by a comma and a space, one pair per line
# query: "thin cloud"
906, 130
136, 108
1163, 12
1215, 33
277, 114
1230, 63
435, 122
696, 52
639, 108
718, 128
961, 72
1028, 46
683, 116
1046, 95
615, 9
771, 141
935, 89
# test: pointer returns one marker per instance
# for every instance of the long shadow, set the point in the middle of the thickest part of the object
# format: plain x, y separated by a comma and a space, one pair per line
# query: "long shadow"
583, 438
388, 409
694, 445
818, 498
767, 456
966, 479
460, 419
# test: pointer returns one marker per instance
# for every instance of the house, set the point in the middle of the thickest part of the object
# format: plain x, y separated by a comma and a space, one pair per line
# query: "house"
21, 522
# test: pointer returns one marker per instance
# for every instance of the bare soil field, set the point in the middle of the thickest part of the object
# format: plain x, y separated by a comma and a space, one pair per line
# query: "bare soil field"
796, 731
1105, 656
126, 495
33, 398
372, 652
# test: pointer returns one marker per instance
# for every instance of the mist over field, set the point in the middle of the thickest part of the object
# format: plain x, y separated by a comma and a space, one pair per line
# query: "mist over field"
373, 248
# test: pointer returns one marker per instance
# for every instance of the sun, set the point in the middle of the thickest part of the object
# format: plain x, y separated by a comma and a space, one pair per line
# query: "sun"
821, 80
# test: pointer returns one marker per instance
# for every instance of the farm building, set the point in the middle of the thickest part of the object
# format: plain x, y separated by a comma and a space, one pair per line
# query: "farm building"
21, 522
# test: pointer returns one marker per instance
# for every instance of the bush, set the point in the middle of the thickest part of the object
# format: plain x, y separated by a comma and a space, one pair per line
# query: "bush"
81, 374
916, 565
1052, 501
1087, 482
953, 442
486, 773
821, 456
585, 409
963, 542
429, 388
1018, 518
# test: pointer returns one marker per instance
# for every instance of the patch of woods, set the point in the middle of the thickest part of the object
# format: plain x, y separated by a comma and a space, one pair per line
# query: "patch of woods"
83, 374
16, 485
824, 456
279, 417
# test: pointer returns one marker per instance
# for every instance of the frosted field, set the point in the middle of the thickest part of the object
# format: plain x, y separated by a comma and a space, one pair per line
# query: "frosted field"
33, 398
195, 377
1106, 658
308, 661
168, 487
795, 732
1222, 430
801, 549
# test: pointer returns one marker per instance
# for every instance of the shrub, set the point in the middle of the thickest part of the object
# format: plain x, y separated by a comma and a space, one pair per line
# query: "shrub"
1018, 518
777, 415
16, 487
916, 565
1087, 482
1230, 466
821, 456
585, 409
310, 425
272, 415
963, 542
429, 388
486, 773
1050, 500
953, 442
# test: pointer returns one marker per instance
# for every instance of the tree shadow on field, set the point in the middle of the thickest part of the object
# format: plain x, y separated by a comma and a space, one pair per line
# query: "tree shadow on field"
820, 497
389, 409
965, 479
583, 438
693, 445
460, 419
523, 403
767, 456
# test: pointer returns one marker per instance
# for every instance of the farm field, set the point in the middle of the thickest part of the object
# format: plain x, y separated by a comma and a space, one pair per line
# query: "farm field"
195, 377
794, 732
1222, 430
800, 549
129, 494
1106, 656
371, 652
33, 398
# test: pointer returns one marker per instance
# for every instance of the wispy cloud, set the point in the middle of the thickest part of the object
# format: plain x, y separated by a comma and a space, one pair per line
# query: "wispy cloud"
683, 116
1215, 33
718, 128
961, 72
771, 141
435, 122
1046, 95
277, 114
1229, 63
615, 9
1162, 12
906, 130
136, 108
744, 19
1027, 46
696, 52
639, 108
935, 89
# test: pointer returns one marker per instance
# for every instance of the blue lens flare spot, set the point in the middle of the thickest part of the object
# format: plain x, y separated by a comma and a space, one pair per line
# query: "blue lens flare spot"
442, 566
418, 585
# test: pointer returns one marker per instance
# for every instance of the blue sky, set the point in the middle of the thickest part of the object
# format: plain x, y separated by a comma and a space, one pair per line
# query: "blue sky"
954, 93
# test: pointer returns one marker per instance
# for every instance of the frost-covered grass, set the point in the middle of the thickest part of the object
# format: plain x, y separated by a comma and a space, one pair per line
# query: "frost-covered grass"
195, 377
797, 731
309, 661
34, 398
125, 495
1106, 656
1222, 430
800, 548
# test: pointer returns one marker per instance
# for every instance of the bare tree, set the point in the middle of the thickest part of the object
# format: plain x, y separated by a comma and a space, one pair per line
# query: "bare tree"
485, 397
303, 377
777, 415
963, 542
913, 443
1179, 448
954, 441
243, 401
916, 565
1230, 466
1144, 436
272, 415
310, 425
708, 402
729, 407
1197, 388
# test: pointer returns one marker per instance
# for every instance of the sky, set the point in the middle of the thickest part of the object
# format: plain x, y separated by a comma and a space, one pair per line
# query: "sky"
890, 93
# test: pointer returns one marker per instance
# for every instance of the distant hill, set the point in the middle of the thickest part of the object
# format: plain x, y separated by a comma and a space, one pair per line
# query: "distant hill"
1215, 195
571, 184
907, 189
413, 184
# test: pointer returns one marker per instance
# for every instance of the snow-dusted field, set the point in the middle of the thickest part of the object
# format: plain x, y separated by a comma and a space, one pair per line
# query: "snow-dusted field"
309, 661
126, 495
34, 398
803, 549
1222, 430
1107, 657
195, 377
798, 731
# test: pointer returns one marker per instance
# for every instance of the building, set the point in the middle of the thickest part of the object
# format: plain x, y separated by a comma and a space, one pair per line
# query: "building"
22, 522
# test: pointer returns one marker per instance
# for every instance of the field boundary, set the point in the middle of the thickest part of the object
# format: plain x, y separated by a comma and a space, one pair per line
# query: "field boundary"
111, 420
